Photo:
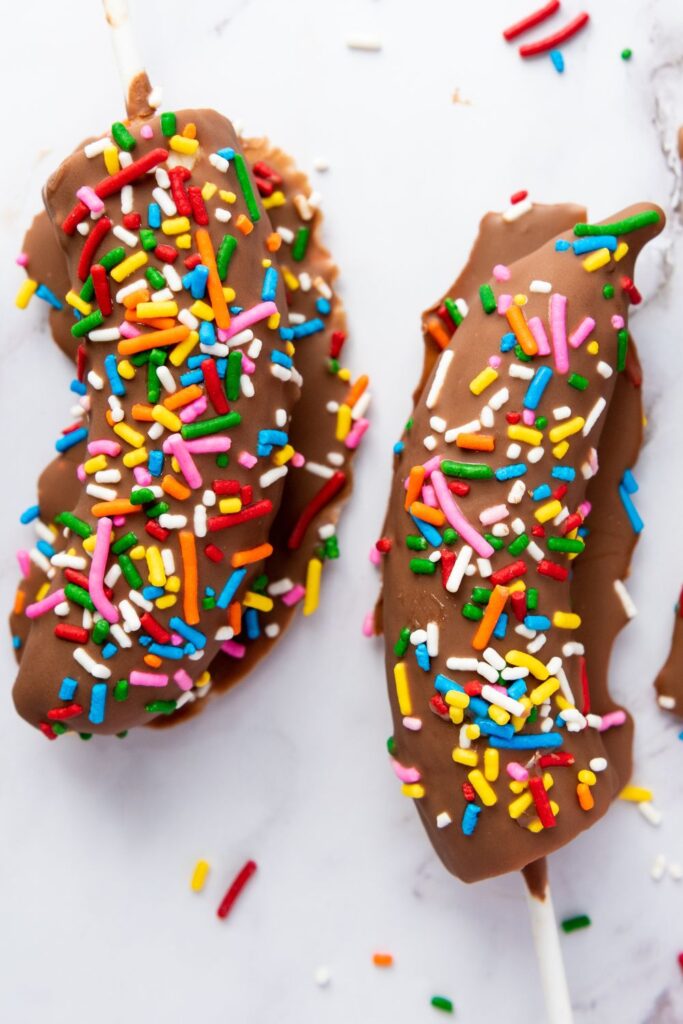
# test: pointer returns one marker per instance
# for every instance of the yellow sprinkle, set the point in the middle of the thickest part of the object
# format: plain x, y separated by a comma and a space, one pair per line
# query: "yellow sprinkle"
180, 144
149, 310
483, 380
198, 880
129, 266
180, 353
273, 322
461, 755
209, 190
277, 199
89, 544
137, 552
520, 300
525, 435
518, 787
290, 280
283, 455
456, 715
227, 197
126, 369
597, 259
229, 294
184, 241
519, 586
204, 679
167, 601
289, 349
229, 505
132, 437
405, 704
620, 251
563, 704
167, 418
473, 732
544, 691
457, 699
135, 458
636, 794
481, 787
155, 566
43, 591
519, 721
202, 310
548, 511
517, 808
592, 348
95, 464
566, 620
265, 263
260, 602
566, 429
491, 764
561, 449
343, 422
175, 225
413, 790
520, 659
74, 300
587, 776
499, 715
313, 574
26, 291
535, 825
111, 160
344, 374
173, 585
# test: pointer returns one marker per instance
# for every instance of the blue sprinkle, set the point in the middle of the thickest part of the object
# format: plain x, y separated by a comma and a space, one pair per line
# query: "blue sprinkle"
109, 650
269, 290
155, 463
398, 447
231, 587
16, 642
193, 377
44, 293
443, 684
323, 306
629, 482
508, 342
422, 657
154, 215
68, 688
209, 591
194, 636
221, 366
71, 440
537, 622
273, 437
470, 817
29, 514
227, 153
594, 242
302, 330
563, 473
98, 699
281, 359
530, 741
200, 276
111, 369
634, 519
510, 472
561, 245
151, 593
207, 333
251, 623
167, 651
537, 386
78, 387
501, 626
517, 689
541, 492
495, 731
558, 61
428, 531
45, 548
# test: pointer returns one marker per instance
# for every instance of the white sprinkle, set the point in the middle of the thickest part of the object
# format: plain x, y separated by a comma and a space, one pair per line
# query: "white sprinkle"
432, 639
487, 672
162, 178
321, 286
593, 416
650, 813
326, 531
335, 458
127, 237
675, 871
320, 164
521, 372
63, 561
462, 664
485, 568
95, 380
97, 147
597, 764
165, 201
126, 194
516, 492
222, 215
571, 648
435, 556
366, 43
322, 976
514, 450
219, 162
500, 530
535, 455
517, 210
272, 475
430, 442
458, 571
142, 602
543, 287
605, 370
494, 658
465, 428
280, 587
486, 417
155, 96
165, 295
562, 412
90, 665
200, 520
319, 470
443, 819
172, 277
512, 673
188, 319
120, 636
499, 399
524, 631
286, 234
439, 378
502, 700
105, 334
104, 493
169, 522
463, 308
247, 385
626, 600
437, 424
658, 868
668, 703
535, 645
129, 615
272, 630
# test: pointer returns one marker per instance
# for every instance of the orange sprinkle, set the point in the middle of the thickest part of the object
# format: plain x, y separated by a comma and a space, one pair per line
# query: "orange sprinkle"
174, 487
476, 442
491, 615
142, 413
153, 660
160, 323
438, 333
188, 553
521, 330
428, 514
131, 301
583, 791
156, 339
382, 959
189, 131
251, 555
214, 283
235, 617
415, 480
244, 225
118, 507
273, 242
19, 602
183, 397
356, 390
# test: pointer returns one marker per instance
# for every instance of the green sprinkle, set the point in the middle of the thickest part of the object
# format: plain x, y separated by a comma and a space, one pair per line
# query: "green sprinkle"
141, 495
139, 359
124, 543
415, 543
519, 544
100, 631
110, 260
87, 324
121, 690
232, 375
627, 53
496, 543
541, 422
608, 291
453, 311
532, 599
521, 354
333, 366
79, 595
260, 583
482, 595
442, 1003
488, 299
470, 611
467, 470
85, 735
168, 124
158, 357
566, 544
122, 735
222, 460
154, 511
332, 547
155, 278
575, 380
122, 136
153, 384
130, 573
572, 924
409, 425
190, 431
73, 523
401, 645
161, 707
208, 603
622, 348
59, 728
619, 227
245, 185
391, 745
224, 255
533, 715
148, 239
450, 536
422, 566
300, 244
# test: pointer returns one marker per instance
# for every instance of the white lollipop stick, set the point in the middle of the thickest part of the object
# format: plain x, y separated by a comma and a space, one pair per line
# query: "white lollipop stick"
549, 956
136, 86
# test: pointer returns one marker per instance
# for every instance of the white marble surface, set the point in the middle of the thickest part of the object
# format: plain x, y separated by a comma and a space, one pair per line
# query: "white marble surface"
99, 839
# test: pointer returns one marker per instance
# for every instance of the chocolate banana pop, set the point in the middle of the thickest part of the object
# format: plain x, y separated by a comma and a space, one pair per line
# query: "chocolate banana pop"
191, 380
321, 447
493, 735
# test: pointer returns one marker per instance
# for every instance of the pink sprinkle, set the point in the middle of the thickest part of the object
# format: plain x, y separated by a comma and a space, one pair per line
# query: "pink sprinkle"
429, 466
298, 460
119, 520
247, 460
24, 560
428, 496
293, 596
540, 337
177, 447
457, 518
189, 413
375, 556
369, 624
204, 445
504, 303
355, 434
128, 330
585, 508
501, 272
147, 131
239, 323
578, 336
558, 331
517, 771
493, 514
611, 719
408, 775
234, 649
414, 724
147, 678
104, 447
529, 417
39, 608
248, 365
142, 475
98, 567
22, 259
182, 679
87, 195
80, 473
494, 362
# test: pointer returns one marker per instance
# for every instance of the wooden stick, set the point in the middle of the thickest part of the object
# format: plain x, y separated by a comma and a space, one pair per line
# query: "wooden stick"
136, 84
549, 956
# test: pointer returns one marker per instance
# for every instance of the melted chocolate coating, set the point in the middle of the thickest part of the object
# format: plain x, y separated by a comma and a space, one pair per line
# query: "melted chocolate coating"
669, 682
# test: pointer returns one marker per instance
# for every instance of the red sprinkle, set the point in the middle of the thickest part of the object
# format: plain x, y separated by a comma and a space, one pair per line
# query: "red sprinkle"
585, 689
214, 388
192, 261
214, 553
447, 563
113, 184
468, 792
81, 361
266, 188
552, 569
181, 199
247, 494
323, 497
556, 760
197, 203
519, 197
458, 487
47, 731
132, 221
262, 170
75, 634
256, 511
439, 706
337, 343
538, 530
156, 531
166, 253
634, 295
513, 417
384, 545
572, 522
235, 889
473, 688
70, 711
531, 20
226, 487
518, 602
90, 247
543, 808
154, 628
560, 492
101, 284
509, 573
555, 40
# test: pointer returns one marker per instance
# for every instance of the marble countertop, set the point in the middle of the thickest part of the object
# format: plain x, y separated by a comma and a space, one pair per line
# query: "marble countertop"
99, 839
